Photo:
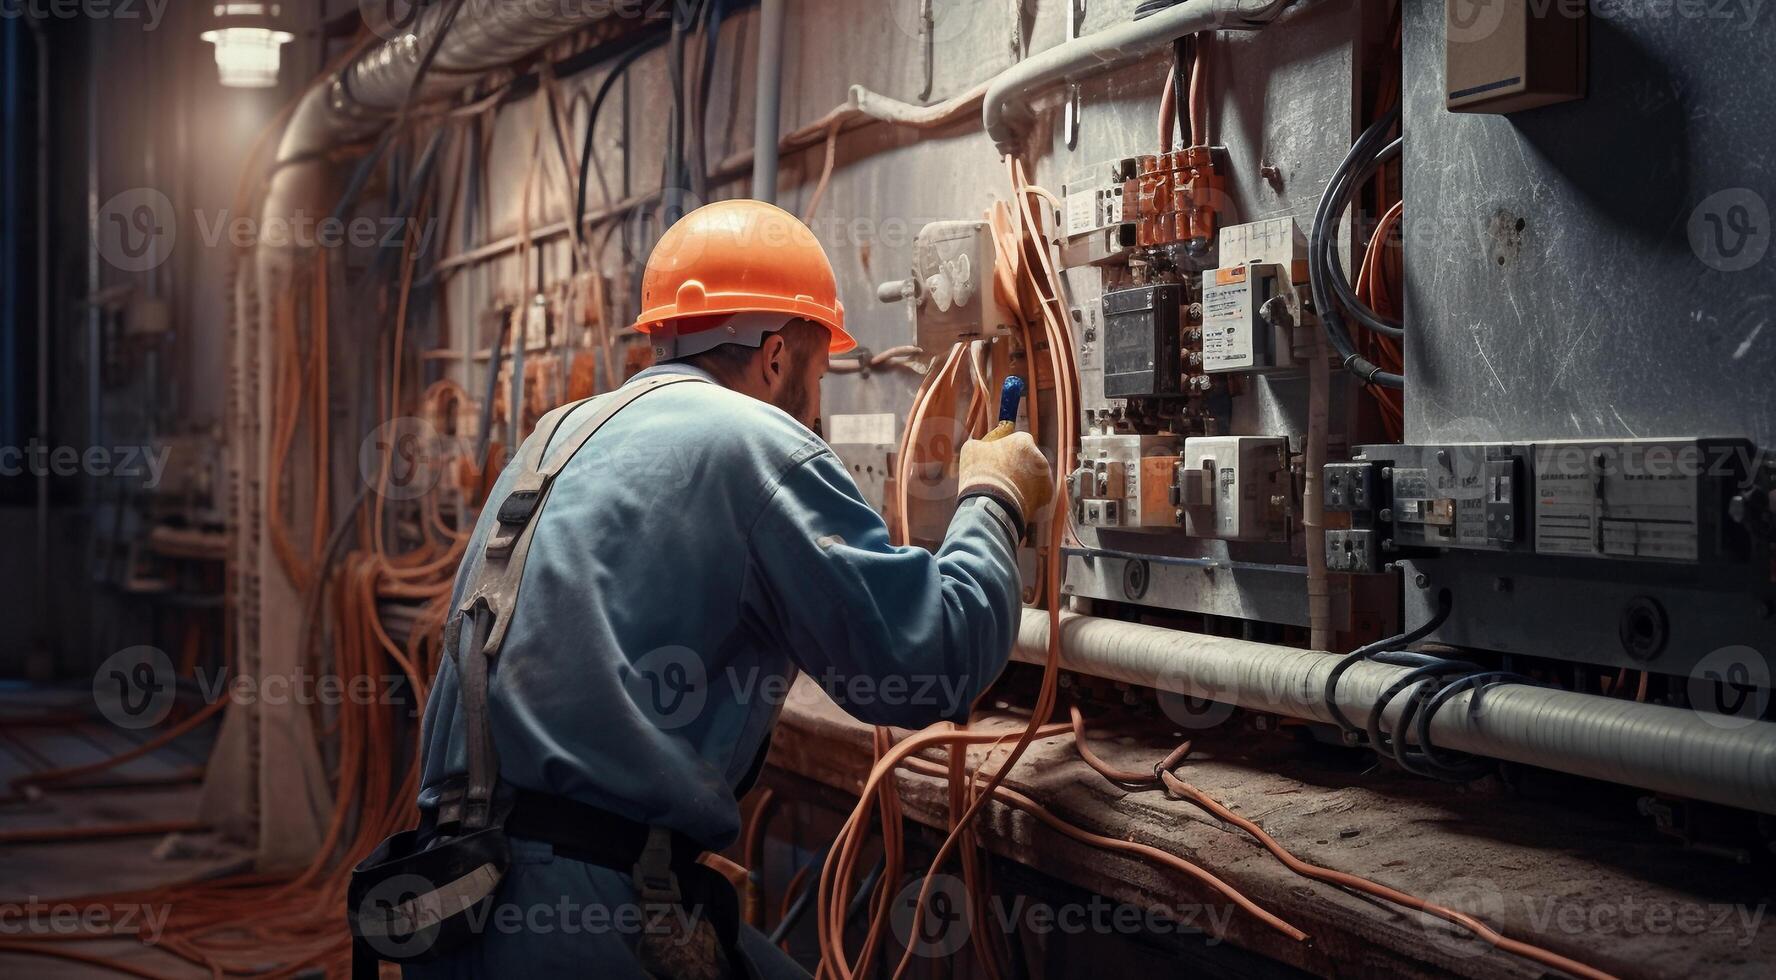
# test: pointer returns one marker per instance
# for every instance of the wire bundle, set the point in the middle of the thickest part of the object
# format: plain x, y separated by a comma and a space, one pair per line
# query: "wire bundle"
1429, 684
1334, 297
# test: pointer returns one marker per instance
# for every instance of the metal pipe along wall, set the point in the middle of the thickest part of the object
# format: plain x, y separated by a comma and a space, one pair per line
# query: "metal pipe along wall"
1671, 750
1007, 112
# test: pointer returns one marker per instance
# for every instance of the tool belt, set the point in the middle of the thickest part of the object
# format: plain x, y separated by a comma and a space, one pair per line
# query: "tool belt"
425, 894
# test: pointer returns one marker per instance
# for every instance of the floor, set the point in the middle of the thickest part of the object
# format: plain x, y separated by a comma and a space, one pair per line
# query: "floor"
43, 884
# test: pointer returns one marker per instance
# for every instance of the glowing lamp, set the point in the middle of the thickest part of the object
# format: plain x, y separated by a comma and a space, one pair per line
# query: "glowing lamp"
249, 43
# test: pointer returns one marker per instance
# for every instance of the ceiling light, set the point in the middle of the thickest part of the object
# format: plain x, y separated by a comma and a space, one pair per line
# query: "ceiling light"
249, 43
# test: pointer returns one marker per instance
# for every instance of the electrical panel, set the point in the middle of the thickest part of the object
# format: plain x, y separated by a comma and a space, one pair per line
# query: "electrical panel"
1227, 488
1142, 352
1663, 501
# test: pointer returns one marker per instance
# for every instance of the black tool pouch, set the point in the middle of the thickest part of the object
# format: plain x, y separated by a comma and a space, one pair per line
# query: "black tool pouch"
410, 905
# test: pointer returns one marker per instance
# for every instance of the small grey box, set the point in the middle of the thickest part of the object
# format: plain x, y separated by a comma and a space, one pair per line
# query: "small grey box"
1353, 552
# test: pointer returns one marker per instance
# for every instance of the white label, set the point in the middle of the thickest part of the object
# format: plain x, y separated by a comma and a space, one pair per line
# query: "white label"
1633, 500
1269, 242
863, 430
1227, 320
1082, 213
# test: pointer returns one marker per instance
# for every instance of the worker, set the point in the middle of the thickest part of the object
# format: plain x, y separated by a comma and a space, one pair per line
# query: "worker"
699, 549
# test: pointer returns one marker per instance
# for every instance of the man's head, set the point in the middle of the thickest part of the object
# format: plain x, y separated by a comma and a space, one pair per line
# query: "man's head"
784, 370
749, 276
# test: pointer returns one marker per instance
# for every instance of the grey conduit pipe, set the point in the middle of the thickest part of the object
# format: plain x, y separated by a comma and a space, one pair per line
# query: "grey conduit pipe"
768, 109
1007, 114
1669, 750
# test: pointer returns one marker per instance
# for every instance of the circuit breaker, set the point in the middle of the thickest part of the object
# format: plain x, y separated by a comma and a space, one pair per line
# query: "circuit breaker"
1260, 261
1236, 334
1125, 481
1244, 487
1097, 232
1637, 500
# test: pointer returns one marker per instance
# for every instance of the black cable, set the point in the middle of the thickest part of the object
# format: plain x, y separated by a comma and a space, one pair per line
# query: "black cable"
714, 13
1320, 245
1389, 645
1416, 678
810, 875
604, 89
485, 435
404, 207
862, 899
1147, 8
1183, 63
1477, 682
361, 176
400, 23
1341, 285
673, 183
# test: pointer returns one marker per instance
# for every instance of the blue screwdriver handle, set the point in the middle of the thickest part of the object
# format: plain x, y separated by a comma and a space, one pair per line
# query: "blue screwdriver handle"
1010, 397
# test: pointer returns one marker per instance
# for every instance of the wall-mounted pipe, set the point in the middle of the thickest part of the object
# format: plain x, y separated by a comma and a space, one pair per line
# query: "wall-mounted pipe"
1007, 114
1669, 750
768, 109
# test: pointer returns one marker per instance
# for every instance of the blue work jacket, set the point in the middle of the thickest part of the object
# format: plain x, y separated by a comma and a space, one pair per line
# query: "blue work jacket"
700, 550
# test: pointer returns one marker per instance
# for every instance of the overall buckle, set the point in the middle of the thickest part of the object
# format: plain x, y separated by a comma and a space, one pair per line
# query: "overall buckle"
655, 882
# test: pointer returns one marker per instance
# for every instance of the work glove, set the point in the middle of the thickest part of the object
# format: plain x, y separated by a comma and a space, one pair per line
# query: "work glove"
1007, 466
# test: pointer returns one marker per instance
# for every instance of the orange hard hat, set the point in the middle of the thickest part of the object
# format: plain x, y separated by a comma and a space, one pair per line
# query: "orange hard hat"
737, 257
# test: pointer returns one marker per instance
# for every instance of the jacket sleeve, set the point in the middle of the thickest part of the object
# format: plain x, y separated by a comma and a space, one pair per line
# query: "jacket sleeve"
897, 636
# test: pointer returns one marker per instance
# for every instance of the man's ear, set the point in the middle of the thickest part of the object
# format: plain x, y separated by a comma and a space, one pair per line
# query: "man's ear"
774, 360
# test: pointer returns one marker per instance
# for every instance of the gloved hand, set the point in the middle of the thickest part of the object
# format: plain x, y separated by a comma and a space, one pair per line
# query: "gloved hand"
1007, 465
